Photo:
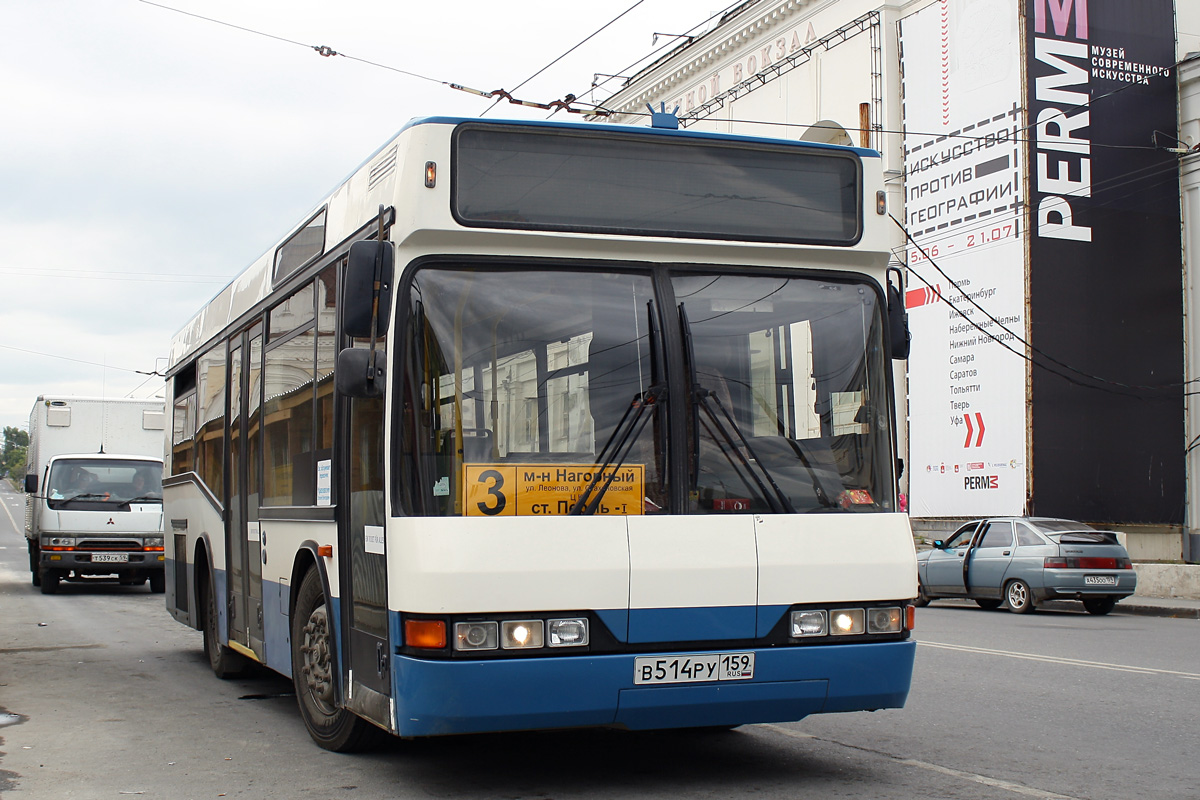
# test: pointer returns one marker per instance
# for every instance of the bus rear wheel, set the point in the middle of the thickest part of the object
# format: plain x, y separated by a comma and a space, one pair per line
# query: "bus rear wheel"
225, 663
313, 664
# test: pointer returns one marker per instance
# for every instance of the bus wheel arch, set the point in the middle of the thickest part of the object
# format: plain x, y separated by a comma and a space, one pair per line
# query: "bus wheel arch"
315, 672
225, 663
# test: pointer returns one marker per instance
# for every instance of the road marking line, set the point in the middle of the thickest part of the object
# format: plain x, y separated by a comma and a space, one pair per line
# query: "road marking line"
1073, 662
1016, 788
13, 521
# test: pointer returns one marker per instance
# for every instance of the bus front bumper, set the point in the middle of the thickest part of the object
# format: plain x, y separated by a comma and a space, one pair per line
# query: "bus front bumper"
450, 697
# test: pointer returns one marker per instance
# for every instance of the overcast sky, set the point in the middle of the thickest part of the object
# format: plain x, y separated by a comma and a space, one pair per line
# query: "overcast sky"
149, 156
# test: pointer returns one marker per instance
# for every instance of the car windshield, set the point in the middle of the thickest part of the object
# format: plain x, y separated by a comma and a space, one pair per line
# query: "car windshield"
81, 483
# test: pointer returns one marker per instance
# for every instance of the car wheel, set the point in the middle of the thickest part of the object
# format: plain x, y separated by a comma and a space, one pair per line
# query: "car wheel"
1099, 605
1019, 597
313, 664
158, 582
988, 603
922, 598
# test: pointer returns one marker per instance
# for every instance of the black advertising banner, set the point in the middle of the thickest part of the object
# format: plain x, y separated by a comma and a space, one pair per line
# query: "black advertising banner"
1105, 273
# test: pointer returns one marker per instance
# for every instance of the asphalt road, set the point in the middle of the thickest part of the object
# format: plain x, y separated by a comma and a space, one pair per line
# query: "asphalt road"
103, 695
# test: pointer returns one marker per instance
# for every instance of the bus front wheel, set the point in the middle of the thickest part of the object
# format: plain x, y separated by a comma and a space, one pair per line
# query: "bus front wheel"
313, 664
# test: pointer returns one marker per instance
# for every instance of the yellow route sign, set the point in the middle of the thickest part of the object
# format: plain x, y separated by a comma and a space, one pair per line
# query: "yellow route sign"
547, 490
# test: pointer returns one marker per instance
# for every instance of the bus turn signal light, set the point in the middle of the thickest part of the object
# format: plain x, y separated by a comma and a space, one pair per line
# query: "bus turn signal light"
426, 633
325, 550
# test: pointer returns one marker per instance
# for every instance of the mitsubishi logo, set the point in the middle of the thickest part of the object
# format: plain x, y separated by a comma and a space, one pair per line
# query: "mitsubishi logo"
110, 521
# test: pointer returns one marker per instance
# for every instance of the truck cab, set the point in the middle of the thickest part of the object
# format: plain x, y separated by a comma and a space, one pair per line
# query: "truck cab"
93, 515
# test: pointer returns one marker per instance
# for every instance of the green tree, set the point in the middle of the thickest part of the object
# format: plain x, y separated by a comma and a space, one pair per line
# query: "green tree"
12, 458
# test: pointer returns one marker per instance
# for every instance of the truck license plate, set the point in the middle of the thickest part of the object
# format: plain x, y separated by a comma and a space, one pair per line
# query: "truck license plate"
693, 668
110, 558
1100, 580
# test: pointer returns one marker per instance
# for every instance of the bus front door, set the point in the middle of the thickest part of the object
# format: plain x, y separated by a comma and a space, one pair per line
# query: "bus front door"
364, 573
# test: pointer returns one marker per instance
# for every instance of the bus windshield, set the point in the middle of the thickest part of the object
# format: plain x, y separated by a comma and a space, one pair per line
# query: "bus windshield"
79, 483
519, 379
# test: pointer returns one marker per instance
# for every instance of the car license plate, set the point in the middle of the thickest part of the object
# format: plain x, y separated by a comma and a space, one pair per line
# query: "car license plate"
693, 668
1100, 580
110, 558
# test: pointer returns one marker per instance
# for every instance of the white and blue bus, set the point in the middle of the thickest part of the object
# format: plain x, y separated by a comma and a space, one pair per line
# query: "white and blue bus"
535, 425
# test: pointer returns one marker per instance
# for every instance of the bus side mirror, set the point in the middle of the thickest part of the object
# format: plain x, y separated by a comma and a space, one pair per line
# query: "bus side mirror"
354, 375
367, 289
897, 316
31, 483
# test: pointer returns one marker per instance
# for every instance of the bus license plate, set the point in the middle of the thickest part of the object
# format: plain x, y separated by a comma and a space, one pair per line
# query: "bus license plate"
110, 558
693, 668
1100, 580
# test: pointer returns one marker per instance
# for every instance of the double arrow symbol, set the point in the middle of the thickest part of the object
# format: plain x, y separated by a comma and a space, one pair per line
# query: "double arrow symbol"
971, 431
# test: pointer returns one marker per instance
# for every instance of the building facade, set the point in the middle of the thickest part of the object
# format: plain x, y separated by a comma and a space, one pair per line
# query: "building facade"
1035, 154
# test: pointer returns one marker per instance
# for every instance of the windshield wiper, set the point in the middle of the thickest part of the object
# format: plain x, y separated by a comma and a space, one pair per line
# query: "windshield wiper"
620, 441
703, 397
627, 429
144, 497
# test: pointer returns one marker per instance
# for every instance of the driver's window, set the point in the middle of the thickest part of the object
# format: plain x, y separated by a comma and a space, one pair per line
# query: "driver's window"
962, 536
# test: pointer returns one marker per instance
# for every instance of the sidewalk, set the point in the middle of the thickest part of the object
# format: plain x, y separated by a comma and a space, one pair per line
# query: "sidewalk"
1180, 607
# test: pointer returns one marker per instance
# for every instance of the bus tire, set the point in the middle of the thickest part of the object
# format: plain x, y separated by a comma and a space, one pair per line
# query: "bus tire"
313, 674
225, 663
158, 582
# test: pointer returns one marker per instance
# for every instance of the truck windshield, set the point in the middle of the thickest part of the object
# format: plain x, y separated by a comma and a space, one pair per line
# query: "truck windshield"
528, 389
82, 483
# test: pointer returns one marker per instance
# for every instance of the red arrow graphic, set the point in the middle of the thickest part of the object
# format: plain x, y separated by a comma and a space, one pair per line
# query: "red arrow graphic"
970, 431
979, 419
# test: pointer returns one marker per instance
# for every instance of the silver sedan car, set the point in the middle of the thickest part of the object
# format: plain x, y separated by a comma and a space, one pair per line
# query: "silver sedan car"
1023, 561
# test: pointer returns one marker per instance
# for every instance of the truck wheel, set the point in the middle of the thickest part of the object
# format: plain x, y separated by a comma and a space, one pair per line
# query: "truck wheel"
313, 666
158, 582
49, 581
225, 663
34, 566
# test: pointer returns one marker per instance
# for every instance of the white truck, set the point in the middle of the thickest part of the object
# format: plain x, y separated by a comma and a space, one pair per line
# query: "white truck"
93, 486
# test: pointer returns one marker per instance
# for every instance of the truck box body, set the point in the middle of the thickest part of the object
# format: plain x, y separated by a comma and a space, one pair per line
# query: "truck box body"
94, 490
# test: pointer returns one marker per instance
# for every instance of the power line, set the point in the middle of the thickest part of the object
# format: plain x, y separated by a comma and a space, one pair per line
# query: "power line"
569, 98
1105, 381
329, 52
80, 361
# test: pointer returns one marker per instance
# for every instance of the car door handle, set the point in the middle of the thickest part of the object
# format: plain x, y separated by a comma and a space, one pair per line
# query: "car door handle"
1008, 552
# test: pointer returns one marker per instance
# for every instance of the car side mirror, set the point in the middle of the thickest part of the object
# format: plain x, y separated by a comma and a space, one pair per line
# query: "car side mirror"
367, 289
31, 483
939, 544
356, 375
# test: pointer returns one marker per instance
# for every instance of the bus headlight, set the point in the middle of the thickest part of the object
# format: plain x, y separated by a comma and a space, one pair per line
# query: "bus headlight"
475, 636
846, 621
153, 541
884, 620
58, 541
568, 632
521, 633
809, 623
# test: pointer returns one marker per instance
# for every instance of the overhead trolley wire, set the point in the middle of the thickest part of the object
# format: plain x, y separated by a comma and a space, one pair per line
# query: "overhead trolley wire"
329, 52
570, 97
